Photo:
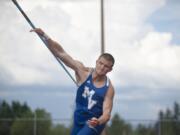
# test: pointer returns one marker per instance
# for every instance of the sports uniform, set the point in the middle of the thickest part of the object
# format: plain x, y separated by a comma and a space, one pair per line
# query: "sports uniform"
89, 103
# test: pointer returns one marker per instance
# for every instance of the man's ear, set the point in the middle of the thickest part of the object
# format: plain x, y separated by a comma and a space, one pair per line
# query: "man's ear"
110, 69
96, 61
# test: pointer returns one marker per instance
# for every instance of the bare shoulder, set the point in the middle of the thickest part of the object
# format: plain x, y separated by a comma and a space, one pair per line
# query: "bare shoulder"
82, 68
82, 72
110, 93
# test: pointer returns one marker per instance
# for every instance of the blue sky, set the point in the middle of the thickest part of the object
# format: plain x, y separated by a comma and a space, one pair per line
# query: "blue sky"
167, 19
142, 35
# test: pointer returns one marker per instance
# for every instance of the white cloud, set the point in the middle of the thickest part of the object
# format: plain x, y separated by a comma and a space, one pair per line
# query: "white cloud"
150, 62
146, 59
139, 49
32, 57
144, 56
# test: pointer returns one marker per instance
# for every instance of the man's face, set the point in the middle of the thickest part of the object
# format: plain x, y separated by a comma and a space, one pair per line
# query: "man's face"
103, 66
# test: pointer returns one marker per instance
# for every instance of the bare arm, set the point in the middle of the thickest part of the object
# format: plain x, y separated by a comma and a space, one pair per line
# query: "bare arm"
60, 53
107, 108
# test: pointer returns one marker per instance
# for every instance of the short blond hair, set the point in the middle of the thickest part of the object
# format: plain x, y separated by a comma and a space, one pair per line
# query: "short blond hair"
108, 57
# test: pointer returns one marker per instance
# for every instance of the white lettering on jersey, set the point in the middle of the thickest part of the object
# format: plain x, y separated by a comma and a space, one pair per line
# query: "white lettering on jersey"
89, 94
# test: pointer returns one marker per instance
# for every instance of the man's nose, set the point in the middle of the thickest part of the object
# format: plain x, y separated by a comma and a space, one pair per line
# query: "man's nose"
102, 66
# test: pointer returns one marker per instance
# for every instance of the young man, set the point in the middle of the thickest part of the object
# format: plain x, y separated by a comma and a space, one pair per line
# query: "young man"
94, 98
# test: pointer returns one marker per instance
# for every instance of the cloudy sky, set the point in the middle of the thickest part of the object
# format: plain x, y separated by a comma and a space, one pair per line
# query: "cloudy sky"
142, 35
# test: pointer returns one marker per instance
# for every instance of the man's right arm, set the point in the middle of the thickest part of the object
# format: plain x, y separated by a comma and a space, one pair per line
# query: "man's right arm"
60, 53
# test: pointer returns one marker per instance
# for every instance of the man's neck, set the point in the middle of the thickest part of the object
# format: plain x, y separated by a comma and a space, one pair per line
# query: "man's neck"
97, 78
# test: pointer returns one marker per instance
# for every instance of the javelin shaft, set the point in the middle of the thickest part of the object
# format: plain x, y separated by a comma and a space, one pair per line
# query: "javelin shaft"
33, 26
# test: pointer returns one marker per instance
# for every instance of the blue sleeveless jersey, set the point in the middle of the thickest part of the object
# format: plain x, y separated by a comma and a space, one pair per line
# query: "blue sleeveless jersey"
89, 101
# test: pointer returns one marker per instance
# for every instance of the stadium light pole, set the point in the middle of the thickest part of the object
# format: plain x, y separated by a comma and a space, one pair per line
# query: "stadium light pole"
102, 26
102, 39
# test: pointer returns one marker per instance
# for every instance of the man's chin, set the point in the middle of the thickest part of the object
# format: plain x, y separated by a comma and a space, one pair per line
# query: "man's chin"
101, 74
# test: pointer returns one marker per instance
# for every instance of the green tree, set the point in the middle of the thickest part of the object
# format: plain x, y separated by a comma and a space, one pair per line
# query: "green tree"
39, 122
119, 127
5, 113
170, 121
23, 126
43, 122
141, 130
19, 110
18, 119
60, 129
176, 118
144, 130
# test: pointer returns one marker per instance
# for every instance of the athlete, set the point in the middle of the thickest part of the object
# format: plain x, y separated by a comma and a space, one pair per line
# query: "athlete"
95, 93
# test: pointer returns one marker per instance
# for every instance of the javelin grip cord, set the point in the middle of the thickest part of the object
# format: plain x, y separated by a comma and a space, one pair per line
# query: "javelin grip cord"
44, 41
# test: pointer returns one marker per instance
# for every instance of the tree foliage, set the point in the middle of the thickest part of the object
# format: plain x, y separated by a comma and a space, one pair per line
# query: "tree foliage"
5, 112
119, 126
169, 121
19, 119
60, 129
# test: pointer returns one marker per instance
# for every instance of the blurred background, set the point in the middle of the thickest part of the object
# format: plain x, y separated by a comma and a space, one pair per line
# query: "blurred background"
37, 96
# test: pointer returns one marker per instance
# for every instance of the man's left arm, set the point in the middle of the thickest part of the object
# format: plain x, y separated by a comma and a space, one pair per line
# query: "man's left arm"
107, 107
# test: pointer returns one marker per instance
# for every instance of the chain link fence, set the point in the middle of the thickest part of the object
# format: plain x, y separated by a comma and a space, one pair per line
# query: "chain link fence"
37, 126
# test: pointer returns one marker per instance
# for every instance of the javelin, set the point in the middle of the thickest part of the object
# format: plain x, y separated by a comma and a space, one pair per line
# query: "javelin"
33, 26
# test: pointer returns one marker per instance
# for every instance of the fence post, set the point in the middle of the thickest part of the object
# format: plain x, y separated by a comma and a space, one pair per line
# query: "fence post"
35, 123
159, 128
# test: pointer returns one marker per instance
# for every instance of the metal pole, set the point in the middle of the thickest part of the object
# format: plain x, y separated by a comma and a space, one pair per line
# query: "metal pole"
44, 41
159, 132
102, 27
35, 123
102, 38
